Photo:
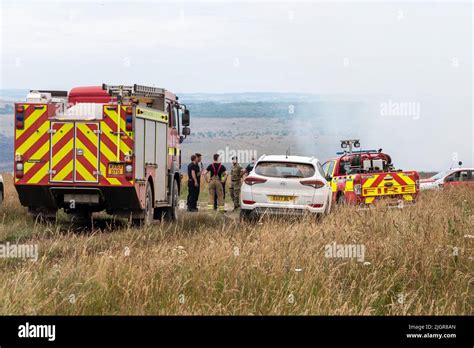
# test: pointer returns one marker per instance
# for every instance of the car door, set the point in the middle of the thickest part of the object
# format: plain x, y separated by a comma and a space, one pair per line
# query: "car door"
457, 178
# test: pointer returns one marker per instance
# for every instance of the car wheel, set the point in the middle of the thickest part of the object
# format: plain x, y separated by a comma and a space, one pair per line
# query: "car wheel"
247, 215
327, 211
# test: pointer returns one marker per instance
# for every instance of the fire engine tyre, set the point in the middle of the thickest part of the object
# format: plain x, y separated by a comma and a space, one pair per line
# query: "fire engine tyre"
148, 217
171, 213
43, 216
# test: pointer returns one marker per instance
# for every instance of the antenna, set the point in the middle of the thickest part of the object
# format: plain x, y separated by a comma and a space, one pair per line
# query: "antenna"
288, 152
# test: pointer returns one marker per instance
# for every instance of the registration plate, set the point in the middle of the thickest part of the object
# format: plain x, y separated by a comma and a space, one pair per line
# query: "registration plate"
115, 169
282, 199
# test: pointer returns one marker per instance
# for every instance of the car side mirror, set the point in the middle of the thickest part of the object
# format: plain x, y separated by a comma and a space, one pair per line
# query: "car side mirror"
186, 131
186, 118
328, 177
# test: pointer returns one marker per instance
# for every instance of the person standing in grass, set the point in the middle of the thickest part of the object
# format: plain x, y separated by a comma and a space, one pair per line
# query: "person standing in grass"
217, 175
193, 184
235, 184
200, 173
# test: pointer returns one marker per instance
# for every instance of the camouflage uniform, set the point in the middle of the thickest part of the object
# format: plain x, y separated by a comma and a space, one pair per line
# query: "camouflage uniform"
235, 184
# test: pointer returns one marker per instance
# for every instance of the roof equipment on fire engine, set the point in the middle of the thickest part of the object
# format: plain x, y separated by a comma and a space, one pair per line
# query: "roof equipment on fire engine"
350, 143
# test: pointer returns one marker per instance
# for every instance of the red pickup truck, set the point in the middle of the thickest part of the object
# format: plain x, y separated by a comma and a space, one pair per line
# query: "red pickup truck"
363, 177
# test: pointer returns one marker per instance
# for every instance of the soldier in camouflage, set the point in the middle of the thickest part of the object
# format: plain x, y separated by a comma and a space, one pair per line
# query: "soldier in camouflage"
235, 183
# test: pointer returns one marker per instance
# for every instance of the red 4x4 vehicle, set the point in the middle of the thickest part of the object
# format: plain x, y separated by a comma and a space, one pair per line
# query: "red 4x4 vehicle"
362, 177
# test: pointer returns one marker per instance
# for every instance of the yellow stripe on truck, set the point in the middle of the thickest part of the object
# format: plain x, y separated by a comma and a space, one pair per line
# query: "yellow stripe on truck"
33, 138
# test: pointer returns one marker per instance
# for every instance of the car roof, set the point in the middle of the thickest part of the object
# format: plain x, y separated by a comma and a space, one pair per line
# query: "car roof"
284, 158
456, 169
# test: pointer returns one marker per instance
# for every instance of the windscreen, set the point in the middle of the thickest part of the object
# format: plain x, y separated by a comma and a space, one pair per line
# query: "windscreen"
285, 170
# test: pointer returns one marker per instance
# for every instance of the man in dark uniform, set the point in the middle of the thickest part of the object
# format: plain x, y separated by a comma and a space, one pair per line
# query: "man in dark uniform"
217, 176
193, 184
201, 172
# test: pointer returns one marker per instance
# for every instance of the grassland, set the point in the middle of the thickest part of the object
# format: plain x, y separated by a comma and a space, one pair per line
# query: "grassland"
418, 260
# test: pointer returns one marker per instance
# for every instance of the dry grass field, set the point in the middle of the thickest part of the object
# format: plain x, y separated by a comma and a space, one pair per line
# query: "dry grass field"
418, 260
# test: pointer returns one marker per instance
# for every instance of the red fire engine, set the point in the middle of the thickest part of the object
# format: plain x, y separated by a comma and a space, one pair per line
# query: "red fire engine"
113, 148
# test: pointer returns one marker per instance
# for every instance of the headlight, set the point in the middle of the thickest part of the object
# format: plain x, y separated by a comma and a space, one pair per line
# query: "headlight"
128, 168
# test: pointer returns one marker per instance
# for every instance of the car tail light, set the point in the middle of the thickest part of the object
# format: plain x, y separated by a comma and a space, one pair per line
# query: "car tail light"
319, 205
248, 202
313, 183
251, 180
357, 189
20, 117
19, 166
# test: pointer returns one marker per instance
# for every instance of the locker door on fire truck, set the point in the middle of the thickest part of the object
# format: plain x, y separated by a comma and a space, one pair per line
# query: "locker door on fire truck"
74, 152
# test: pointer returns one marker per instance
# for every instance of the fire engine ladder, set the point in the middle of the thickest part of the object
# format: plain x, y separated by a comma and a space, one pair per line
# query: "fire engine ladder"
133, 91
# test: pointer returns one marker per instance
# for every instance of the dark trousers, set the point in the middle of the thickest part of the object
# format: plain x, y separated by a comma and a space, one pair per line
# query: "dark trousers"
193, 195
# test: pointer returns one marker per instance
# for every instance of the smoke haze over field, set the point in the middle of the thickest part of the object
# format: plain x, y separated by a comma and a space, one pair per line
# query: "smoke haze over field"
395, 75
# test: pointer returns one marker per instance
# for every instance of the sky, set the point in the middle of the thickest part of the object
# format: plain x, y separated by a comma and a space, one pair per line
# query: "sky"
406, 52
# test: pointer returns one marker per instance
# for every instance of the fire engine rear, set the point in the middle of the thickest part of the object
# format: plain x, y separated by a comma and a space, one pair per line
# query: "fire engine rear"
113, 148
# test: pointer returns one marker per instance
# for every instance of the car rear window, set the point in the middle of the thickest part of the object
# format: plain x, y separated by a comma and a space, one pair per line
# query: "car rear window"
285, 169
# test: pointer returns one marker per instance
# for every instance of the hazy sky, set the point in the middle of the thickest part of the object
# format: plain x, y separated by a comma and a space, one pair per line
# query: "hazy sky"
407, 52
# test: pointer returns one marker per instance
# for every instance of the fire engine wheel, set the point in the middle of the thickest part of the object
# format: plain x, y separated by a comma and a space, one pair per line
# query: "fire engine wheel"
171, 213
148, 213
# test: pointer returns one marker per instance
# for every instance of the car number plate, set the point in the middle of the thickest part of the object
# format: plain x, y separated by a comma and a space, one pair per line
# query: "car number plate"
282, 199
115, 169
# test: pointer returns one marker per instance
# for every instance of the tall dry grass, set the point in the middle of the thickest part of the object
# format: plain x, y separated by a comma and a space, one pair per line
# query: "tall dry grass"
213, 264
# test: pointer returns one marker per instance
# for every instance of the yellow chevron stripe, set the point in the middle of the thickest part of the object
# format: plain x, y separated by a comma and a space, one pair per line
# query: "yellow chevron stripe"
63, 173
407, 179
91, 157
28, 143
29, 121
370, 181
40, 174
84, 172
107, 131
58, 156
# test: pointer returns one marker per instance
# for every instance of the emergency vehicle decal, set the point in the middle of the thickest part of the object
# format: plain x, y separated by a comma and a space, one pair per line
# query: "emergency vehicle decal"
32, 143
62, 152
388, 184
152, 115
86, 153
115, 143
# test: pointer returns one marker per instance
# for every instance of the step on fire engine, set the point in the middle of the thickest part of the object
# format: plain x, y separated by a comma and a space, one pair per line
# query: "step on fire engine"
113, 148
362, 177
